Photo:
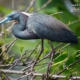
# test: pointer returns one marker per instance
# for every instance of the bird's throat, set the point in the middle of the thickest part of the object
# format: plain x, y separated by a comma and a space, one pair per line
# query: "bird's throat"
16, 22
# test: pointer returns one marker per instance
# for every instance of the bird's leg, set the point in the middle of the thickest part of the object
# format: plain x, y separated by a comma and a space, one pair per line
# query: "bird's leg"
42, 48
51, 58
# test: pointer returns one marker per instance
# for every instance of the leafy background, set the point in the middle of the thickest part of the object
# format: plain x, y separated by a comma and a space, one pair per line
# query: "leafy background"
69, 53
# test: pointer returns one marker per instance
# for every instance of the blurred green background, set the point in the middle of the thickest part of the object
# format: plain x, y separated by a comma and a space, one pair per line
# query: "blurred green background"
54, 6
70, 53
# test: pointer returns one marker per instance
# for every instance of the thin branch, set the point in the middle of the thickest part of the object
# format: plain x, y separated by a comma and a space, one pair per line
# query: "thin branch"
7, 49
32, 51
35, 74
58, 45
5, 75
7, 30
22, 77
13, 3
17, 61
29, 57
31, 4
56, 13
68, 66
42, 47
18, 64
44, 5
73, 22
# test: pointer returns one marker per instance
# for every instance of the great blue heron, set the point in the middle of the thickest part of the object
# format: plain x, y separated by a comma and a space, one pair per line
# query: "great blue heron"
40, 26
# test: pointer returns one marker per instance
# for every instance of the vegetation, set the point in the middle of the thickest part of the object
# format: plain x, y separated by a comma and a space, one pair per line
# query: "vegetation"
17, 56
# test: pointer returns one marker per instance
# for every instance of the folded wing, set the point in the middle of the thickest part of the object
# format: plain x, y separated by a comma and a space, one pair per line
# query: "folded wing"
47, 27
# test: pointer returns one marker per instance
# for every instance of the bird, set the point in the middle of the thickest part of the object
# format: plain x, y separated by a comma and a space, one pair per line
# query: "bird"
40, 26
30, 26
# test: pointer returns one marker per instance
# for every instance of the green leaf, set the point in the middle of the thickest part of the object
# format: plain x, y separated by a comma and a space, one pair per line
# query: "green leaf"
21, 48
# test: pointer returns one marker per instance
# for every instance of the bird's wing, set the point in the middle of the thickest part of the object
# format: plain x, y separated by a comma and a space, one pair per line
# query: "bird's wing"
47, 27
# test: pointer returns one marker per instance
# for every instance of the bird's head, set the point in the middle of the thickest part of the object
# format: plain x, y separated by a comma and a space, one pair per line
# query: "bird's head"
12, 16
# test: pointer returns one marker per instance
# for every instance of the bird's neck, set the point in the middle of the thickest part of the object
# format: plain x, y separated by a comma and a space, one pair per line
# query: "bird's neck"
19, 28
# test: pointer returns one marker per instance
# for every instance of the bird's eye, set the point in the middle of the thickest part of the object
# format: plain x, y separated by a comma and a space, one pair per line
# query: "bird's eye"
11, 16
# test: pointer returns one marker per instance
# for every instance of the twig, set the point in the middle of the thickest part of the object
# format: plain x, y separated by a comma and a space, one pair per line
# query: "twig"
68, 66
31, 4
51, 59
58, 45
17, 61
35, 74
29, 57
55, 54
32, 51
8, 30
9, 46
13, 4
5, 75
44, 5
56, 13
42, 48
47, 56
21, 77
18, 64
73, 22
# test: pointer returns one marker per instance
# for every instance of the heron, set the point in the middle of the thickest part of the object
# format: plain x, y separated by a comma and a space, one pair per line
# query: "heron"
40, 26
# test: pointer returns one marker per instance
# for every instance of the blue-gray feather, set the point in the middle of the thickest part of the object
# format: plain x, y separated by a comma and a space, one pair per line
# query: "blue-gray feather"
47, 27
35, 26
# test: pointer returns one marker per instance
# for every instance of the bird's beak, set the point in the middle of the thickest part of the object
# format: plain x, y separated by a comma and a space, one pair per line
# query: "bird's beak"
5, 20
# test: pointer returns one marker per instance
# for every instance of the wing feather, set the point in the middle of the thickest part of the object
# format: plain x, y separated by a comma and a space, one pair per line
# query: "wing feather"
50, 28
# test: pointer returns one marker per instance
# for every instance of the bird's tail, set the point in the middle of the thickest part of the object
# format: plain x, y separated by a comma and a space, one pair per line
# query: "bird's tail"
72, 37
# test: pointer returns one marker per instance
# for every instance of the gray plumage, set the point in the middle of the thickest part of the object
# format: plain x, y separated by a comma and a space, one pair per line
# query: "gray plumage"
50, 28
35, 26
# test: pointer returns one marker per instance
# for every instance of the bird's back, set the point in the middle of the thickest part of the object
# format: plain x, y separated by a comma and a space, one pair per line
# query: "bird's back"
50, 28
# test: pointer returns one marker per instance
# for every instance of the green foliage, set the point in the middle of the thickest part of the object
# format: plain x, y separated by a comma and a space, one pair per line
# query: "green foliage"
4, 11
61, 60
21, 48
66, 16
